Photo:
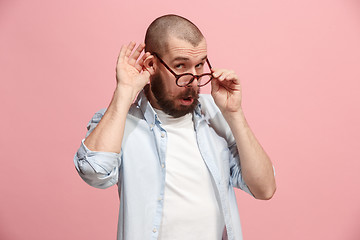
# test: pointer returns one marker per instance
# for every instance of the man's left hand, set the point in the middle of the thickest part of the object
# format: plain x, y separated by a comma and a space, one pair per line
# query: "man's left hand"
226, 90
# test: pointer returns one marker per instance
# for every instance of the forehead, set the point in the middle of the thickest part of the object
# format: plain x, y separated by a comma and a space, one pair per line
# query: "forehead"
181, 48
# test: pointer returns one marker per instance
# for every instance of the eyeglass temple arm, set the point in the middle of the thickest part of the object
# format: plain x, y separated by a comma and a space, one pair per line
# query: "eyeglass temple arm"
208, 62
167, 67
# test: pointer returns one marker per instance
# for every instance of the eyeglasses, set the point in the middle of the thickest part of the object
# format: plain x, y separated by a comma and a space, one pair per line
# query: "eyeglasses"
185, 79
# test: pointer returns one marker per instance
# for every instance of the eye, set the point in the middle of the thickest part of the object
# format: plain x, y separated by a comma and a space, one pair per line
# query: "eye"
200, 65
179, 66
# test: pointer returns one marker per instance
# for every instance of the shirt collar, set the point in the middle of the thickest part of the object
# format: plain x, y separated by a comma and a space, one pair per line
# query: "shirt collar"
149, 113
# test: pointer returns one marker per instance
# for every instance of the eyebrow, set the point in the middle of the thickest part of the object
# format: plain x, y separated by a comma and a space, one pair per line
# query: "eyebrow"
186, 59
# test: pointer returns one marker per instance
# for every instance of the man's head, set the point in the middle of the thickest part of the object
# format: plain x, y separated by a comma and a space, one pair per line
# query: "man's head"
159, 31
181, 45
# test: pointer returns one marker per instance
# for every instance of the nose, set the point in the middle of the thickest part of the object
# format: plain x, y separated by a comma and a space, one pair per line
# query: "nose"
193, 71
194, 83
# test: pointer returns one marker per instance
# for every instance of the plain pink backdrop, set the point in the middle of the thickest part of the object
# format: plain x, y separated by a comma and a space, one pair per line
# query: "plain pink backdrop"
299, 62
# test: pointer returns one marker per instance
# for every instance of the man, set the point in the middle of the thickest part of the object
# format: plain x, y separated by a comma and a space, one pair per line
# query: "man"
174, 154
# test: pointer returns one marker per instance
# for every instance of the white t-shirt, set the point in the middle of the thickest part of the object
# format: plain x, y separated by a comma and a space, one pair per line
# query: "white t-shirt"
191, 208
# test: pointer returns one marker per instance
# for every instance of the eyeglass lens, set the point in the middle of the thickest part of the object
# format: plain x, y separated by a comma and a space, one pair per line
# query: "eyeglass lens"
186, 79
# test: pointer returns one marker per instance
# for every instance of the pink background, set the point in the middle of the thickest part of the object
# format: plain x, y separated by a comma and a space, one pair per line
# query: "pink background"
299, 62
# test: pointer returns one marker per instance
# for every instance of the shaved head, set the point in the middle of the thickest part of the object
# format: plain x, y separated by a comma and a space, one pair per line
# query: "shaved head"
159, 31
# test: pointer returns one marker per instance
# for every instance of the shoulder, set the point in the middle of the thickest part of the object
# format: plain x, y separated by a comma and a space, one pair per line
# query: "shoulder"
206, 98
216, 120
208, 106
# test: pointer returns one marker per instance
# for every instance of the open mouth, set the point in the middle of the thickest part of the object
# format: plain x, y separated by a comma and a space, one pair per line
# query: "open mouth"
187, 101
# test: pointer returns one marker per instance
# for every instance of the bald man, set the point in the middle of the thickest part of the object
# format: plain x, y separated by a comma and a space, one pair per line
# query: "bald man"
175, 155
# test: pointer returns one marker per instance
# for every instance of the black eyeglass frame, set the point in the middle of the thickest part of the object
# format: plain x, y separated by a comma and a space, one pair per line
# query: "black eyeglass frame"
177, 76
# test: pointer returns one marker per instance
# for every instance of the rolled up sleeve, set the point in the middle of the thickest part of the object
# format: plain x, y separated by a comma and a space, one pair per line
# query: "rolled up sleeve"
98, 169
236, 177
221, 127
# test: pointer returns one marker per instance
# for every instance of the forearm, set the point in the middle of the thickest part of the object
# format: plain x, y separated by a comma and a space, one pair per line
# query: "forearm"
257, 169
108, 134
130, 77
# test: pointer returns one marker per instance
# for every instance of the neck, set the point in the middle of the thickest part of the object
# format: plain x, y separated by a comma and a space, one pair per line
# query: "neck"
150, 96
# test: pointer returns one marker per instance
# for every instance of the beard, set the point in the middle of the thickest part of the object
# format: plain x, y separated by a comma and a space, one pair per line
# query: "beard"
167, 104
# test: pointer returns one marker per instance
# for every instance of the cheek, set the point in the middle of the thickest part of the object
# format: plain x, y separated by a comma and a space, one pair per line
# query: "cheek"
169, 85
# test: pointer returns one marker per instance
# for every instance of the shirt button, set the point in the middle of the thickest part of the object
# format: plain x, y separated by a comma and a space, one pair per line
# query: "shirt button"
162, 134
160, 198
162, 165
154, 230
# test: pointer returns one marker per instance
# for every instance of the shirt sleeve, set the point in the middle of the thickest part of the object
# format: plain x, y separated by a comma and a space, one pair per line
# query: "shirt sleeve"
236, 177
98, 169
221, 127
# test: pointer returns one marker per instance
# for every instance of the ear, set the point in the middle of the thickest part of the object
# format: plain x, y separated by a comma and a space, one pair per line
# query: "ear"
150, 64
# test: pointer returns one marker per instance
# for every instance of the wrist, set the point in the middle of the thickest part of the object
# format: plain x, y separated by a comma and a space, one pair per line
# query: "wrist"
121, 100
125, 94
237, 117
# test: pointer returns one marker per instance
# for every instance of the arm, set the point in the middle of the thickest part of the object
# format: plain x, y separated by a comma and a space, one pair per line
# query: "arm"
97, 160
256, 166
108, 134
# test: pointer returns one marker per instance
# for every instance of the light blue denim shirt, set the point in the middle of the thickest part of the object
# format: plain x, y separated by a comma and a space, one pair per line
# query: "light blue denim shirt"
140, 169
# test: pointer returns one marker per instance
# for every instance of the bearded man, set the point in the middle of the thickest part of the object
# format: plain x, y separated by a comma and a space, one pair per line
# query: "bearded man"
176, 155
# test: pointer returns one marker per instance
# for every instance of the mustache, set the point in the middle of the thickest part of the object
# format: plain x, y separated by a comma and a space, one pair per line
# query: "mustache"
190, 92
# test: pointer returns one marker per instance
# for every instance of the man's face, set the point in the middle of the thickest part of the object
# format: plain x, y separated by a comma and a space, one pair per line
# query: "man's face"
181, 57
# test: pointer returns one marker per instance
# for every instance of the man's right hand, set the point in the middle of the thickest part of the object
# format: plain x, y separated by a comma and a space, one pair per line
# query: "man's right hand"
131, 78
130, 75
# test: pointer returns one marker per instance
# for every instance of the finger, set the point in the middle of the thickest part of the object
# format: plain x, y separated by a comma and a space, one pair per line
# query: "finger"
136, 54
224, 74
221, 74
228, 76
218, 72
146, 74
121, 54
129, 49
214, 86
231, 82
233, 77
140, 64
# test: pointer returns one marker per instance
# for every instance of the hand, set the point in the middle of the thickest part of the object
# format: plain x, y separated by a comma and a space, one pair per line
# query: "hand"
226, 90
129, 68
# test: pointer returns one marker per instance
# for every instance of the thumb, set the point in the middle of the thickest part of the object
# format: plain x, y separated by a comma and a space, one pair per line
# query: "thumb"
145, 73
145, 76
214, 86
